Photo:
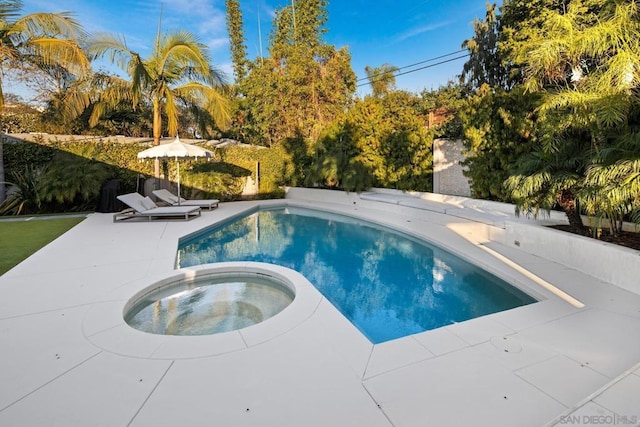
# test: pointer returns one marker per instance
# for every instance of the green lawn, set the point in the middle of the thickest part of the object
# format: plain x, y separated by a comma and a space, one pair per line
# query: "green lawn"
19, 239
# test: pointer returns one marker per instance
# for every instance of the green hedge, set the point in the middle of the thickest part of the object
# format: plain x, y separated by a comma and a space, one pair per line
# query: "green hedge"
73, 171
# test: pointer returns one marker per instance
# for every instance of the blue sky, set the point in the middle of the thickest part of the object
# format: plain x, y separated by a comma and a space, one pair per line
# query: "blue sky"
399, 32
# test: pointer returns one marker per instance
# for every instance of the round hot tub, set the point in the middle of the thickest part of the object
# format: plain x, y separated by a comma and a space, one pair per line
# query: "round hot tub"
208, 305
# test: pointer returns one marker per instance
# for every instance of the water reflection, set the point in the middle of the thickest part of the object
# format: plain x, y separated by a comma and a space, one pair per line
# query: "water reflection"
209, 306
388, 284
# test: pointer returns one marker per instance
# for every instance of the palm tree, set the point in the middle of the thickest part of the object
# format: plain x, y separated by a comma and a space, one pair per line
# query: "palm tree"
177, 70
587, 67
546, 178
613, 183
40, 40
382, 79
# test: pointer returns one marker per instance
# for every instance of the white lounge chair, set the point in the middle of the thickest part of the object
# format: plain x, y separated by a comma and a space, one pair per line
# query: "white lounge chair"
144, 207
170, 198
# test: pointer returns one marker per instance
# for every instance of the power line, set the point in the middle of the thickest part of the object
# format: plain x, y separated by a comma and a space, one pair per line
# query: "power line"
417, 63
418, 69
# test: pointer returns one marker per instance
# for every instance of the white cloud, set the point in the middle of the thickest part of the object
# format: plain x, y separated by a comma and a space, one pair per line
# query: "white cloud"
199, 14
416, 31
217, 43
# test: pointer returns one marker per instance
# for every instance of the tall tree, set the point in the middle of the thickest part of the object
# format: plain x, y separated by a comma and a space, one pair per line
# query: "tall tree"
304, 84
178, 69
41, 40
310, 17
485, 60
236, 39
519, 22
382, 79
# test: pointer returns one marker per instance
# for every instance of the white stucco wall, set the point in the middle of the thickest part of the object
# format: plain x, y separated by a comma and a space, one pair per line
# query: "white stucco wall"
447, 170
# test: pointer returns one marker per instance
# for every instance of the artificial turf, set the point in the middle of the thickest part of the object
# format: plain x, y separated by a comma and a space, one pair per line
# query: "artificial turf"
20, 239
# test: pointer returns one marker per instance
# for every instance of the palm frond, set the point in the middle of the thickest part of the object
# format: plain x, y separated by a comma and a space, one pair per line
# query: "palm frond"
10, 9
113, 45
171, 109
35, 25
181, 49
61, 51
210, 98
110, 93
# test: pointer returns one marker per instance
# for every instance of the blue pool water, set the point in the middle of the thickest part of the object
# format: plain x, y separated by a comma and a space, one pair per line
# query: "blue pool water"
386, 283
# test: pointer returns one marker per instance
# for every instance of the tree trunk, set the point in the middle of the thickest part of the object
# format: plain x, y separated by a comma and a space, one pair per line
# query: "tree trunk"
2, 186
567, 201
157, 132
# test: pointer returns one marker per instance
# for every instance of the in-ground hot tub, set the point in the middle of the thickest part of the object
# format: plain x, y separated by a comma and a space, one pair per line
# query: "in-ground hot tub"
210, 304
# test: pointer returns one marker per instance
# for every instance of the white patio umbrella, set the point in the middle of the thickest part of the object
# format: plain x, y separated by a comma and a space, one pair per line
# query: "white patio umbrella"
176, 150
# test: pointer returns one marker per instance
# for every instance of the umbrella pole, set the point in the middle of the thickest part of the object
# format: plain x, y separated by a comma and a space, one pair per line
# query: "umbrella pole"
178, 165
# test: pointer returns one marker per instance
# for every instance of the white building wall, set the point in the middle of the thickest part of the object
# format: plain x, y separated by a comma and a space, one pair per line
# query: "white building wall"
447, 170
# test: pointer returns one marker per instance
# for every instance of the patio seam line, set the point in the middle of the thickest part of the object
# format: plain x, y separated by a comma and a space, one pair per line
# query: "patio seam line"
281, 334
111, 264
594, 395
558, 317
488, 340
526, 328
130, 356
514, 371
582, 310
395, 368
164, 230
244, 341
588, 366
539, 389
373, 399
50, 381
547, 358
433, 357
582, 365
366, 365
635, 316
53, 310
87, 336
151, 393
416, 340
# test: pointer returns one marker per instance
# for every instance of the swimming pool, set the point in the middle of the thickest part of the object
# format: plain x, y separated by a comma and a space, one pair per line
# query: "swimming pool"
388, 284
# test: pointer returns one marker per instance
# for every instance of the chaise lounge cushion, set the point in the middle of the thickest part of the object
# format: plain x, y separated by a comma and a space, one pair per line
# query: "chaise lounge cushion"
148, 203
170, 198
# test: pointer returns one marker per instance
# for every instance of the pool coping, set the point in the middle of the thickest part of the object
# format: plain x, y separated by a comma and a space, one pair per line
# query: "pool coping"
105, 327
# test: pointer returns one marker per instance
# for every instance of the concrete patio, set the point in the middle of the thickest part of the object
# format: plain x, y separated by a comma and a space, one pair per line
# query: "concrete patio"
68, 359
